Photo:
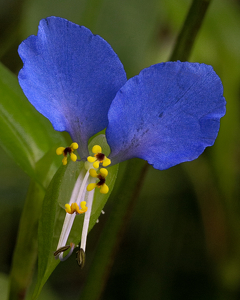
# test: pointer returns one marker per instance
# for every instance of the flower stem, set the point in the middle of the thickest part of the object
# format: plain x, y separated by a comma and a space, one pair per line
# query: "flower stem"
189, 31
134, 175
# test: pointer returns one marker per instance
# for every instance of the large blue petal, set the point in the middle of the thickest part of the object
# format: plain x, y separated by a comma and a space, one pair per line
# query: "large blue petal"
167, 114
71, 76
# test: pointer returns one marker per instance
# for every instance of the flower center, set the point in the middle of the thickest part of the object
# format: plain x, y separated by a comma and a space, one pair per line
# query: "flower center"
82, 198
68, 150
101, 180
98, 157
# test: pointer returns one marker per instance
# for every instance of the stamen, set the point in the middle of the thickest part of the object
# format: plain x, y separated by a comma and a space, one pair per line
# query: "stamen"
74, 208
104, 189
98, 157
72, 245
101, 183
80, 257
68, 150
77, 195
87, 216
61, 249
78, 190
96, 149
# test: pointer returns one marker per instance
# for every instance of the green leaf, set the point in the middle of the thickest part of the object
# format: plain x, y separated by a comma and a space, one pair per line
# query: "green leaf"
25, 134
25, 253
53, 213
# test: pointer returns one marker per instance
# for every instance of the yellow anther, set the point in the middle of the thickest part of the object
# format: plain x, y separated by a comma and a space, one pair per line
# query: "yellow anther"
64, 160
101, 183
91, 159
73, 157
96, 149
91, 186
106, 162
66, 151
93, 173
98, 157
60, 150
104, 172
104, 189
83, 207
68, 208
74, 208
74, 146
96, 164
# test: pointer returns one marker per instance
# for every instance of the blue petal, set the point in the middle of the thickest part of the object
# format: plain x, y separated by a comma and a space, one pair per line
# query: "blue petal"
71, 77
166, 115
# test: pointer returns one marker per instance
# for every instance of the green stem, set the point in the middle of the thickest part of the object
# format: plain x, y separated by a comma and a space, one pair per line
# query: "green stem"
189, 31
134, 175
25, 253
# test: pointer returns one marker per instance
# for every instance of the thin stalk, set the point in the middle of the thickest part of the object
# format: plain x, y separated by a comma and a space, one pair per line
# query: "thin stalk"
189, 31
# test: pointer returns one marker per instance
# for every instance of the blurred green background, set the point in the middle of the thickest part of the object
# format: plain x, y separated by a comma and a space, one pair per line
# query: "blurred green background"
183, 239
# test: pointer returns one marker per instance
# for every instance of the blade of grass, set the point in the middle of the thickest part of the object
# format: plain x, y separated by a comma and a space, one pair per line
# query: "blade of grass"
25, 253
189, 31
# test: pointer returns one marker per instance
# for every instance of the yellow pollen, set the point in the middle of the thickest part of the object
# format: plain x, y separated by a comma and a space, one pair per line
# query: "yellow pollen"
73, 157
93, 173
104, 172
65, 151
98, 157
104, 189
96, 149
64, 160
74, 208
91, 186
60, 150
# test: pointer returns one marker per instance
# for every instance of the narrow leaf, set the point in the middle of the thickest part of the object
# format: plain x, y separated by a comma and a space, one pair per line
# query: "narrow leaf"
25, 253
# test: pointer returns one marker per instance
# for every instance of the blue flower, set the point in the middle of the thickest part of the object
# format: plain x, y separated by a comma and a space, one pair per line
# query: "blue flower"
167, 114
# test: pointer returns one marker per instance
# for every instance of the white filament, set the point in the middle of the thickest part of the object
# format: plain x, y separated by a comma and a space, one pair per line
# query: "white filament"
87, 216
77, 196
69, 253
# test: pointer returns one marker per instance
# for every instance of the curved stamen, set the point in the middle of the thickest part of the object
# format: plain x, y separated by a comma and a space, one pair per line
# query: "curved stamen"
72, 246
61, 249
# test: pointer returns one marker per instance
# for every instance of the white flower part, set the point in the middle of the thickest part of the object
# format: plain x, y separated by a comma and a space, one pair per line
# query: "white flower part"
77, 186
89, 200
67, 225
72, 246
78, 195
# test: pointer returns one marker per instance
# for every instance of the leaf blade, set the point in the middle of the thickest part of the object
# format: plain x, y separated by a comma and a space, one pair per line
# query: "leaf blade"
25, 134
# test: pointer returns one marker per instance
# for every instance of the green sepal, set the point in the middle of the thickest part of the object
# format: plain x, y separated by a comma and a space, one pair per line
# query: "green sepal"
53, 213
